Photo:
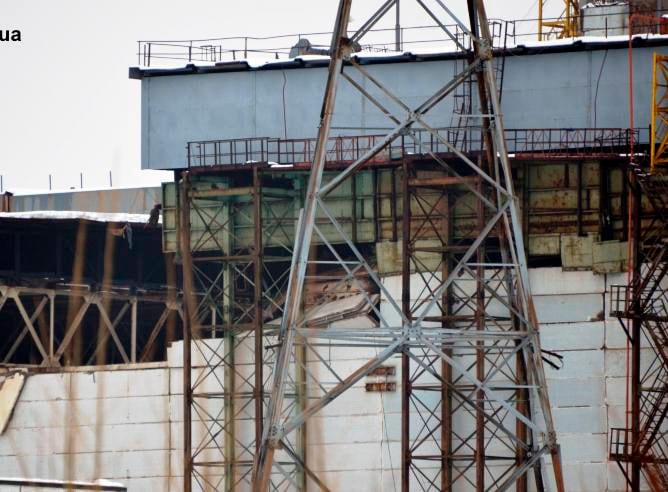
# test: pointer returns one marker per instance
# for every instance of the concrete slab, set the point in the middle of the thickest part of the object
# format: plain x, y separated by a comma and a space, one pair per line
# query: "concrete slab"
555, 281
572, 336
578, 364
47, 387
569, 308
576, 392
581, 420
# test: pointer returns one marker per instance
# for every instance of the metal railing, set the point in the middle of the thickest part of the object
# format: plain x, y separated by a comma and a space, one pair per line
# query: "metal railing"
296, 151
624, 302
213, 50
416, 39
620, 442
523, 143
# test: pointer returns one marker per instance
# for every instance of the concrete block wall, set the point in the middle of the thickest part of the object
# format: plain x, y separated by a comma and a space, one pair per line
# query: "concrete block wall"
588, 393
88, 425
125, 425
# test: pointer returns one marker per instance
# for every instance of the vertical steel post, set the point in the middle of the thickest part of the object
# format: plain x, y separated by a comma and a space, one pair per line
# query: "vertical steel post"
214, 320
520, 427
446, 369
52, 307
540, 19
579, 197
257, 299
636, 334
406, 307
189, 311
397, 27
229, 395
340, 46
301, 396
229, 346
133, 329
393, 204
514, 225
480, 351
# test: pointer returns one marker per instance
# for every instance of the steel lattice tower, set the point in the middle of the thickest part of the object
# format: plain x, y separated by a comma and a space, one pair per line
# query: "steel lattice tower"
470, 331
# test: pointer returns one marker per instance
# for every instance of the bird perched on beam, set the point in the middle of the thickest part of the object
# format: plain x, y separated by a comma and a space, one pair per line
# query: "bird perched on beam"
155, 215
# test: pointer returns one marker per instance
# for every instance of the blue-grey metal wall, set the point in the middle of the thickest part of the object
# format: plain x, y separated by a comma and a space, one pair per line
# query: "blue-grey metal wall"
560, 88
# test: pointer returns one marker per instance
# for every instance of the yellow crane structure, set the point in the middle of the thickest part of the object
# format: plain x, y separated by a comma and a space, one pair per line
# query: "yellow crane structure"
659, 125
567, 25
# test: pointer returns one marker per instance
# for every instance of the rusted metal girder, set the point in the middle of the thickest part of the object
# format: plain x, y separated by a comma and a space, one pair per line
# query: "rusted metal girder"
233, 287
113, 307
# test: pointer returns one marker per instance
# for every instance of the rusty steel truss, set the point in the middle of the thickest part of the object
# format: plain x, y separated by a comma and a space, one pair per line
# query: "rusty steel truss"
230, 290
52, 317
465, 328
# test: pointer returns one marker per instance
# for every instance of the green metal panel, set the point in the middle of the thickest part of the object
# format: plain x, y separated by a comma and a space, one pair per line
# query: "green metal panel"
170, 202
610, 256
551, 190
209, 231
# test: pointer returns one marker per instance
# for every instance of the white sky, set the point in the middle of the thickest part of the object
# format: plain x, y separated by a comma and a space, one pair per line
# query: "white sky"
66, 103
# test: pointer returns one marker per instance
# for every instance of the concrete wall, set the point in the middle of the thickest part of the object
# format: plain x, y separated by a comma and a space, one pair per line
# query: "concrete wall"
125, 425
80, 425
588, 393
550, 90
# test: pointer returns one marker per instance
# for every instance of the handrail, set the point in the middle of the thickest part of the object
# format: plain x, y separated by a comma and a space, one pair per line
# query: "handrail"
522, 143
506, 33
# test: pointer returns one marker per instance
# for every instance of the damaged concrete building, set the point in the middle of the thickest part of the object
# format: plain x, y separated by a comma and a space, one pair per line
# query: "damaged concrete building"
434, 267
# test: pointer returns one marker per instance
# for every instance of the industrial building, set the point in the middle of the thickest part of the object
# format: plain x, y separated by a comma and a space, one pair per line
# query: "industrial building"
416, 258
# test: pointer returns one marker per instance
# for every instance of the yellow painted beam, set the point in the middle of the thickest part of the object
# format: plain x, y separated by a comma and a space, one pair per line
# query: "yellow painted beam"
566, 26
659, 121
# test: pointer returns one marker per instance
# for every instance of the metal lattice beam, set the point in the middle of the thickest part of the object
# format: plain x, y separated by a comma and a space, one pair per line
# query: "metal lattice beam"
483, 355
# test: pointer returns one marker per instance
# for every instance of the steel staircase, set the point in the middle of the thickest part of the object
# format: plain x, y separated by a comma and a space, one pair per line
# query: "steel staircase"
646, 300
650, 305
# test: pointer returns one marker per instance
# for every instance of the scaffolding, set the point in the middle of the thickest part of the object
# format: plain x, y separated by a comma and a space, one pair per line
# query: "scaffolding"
232, 285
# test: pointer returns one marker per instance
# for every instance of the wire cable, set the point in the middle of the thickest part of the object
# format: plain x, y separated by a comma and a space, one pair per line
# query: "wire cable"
598, 82
285, 119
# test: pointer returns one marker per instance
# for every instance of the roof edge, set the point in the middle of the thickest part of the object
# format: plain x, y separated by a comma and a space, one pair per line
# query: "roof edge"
579, 45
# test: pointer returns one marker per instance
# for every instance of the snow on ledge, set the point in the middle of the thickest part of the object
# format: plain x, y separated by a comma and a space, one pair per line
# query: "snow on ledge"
58, 191
100, 484
522, 41
69, 215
